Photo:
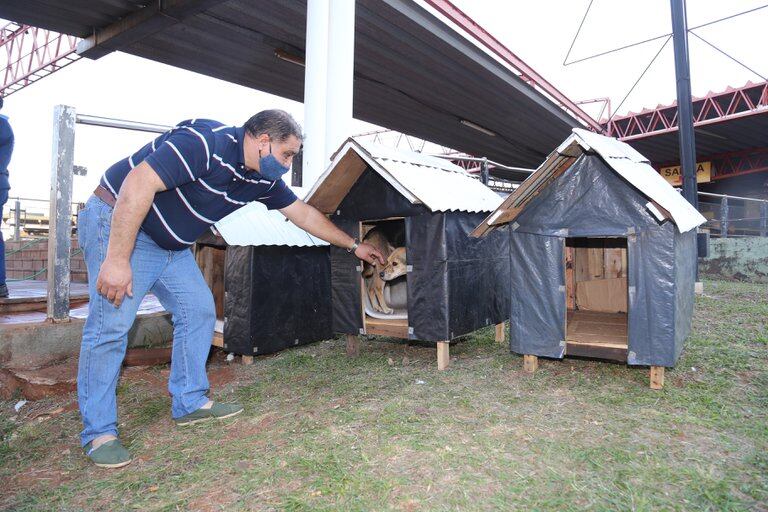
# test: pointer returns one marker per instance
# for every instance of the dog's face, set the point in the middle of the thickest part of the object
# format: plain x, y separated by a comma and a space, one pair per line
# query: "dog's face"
395, 266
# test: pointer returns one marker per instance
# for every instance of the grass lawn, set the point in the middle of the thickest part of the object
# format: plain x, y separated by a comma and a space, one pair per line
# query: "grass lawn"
386, 431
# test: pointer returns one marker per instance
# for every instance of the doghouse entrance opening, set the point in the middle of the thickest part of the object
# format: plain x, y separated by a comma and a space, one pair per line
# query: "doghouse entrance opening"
596, 297
385, 297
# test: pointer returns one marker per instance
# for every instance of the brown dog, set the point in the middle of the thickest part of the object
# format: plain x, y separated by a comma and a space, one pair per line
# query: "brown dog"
377, 276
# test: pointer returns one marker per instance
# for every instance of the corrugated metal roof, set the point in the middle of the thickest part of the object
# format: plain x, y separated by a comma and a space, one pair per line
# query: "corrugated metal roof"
422, 179
621, 157
255, 225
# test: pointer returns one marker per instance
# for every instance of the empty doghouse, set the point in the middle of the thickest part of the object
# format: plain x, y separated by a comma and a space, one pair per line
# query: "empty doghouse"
454, 284
603, 255
275, 282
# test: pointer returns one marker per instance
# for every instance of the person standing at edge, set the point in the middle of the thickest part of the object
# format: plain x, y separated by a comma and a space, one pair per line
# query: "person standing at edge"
6, 149
135, 232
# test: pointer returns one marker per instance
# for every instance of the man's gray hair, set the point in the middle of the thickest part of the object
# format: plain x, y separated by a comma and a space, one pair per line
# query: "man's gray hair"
278, 124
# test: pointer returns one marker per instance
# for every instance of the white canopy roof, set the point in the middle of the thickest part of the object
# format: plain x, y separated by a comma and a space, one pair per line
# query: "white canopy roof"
254, 225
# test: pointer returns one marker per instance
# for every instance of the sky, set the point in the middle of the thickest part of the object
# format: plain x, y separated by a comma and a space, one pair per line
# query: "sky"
126, 87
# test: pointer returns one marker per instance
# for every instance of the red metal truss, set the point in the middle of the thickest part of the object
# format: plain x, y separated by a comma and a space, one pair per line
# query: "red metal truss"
740, 163
736, 163
32, 53
712, 108
528, 74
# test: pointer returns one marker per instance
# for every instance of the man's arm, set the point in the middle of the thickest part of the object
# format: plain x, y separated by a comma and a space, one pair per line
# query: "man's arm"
136, 195
314, 222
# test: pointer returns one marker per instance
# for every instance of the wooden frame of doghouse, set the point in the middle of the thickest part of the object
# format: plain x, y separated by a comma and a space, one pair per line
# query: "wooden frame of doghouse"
603, 255
439, 204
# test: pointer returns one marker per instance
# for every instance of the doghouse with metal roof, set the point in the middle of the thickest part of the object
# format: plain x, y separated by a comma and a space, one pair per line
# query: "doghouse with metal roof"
603, 255
455, 284
273, 282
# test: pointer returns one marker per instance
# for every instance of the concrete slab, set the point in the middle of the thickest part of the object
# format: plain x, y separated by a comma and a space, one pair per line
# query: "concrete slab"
28, 340
32, 296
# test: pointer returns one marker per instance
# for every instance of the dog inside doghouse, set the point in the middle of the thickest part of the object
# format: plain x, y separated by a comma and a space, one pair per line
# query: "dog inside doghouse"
384, 287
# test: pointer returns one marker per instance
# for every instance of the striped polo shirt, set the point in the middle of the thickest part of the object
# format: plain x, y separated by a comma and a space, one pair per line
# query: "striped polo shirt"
202, 164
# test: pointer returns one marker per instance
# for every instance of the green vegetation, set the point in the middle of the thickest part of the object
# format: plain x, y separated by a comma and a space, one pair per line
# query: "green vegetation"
386, 431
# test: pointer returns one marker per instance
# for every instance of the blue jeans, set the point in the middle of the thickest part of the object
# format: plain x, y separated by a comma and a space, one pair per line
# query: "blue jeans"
176, 280
3, 200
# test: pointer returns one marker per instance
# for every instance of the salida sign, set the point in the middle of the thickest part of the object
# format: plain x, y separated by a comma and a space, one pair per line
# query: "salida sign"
674, 175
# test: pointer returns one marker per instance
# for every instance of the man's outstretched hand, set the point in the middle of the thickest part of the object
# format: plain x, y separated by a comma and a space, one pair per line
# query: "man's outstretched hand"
369, 253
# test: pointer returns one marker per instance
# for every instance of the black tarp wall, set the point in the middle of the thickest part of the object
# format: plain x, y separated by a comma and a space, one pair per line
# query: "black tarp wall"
276, 297
457, 284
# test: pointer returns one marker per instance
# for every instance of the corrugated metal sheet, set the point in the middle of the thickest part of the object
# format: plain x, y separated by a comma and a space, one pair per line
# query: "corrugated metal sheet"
636, 169
254, 225
434, 182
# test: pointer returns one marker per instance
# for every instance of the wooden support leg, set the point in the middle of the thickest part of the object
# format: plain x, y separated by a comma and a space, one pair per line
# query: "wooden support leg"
247, 360
530, 363
657, 377
443, 357
353, 345
500, 334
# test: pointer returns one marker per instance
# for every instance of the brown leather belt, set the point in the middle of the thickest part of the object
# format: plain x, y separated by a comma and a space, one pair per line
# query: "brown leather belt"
105, 195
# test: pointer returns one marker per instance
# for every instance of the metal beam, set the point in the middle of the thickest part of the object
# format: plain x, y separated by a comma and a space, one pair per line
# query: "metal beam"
122, 124
685, 115
141, 24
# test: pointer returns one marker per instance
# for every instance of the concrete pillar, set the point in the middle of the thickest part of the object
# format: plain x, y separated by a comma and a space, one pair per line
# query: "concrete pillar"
340, 78
315, 83
60, 215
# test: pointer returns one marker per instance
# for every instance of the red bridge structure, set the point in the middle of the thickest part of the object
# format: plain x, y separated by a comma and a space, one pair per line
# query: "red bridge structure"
31, 53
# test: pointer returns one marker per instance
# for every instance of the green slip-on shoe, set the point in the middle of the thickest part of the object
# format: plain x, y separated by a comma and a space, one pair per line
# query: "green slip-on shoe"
217, 411
111, 454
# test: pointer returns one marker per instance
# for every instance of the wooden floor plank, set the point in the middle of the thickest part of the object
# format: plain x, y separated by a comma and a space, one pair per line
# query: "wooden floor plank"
597, 334
397, 328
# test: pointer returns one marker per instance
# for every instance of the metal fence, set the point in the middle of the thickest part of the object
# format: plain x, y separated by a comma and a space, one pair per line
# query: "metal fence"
27, 218
734, 216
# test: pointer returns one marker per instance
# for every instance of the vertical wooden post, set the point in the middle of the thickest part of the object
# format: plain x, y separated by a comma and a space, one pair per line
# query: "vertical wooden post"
443, 355
60, 214
530, 363
353, 345
500, 333
657, 377
570, 279
764, 218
